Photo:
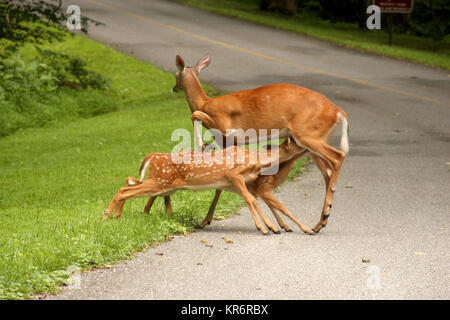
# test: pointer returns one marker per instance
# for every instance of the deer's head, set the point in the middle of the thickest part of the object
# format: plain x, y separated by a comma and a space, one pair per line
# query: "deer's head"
185, 75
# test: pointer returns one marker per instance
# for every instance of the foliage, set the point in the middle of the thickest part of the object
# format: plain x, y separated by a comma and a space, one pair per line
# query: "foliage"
430, 18
16, 75
29, 21
307, 22
38, 89
60, 178
68, 70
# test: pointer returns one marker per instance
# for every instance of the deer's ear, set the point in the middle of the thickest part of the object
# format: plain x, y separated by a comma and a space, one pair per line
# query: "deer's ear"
203, 63
287, 143
180, 63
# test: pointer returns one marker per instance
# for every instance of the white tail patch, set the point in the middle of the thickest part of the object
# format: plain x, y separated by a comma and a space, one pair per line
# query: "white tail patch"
344, 133
144, 169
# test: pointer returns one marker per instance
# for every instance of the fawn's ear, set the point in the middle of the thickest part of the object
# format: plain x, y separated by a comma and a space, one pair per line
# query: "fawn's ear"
203, 63
180, 63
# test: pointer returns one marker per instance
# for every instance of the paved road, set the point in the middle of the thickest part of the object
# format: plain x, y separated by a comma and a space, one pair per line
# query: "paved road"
392, 202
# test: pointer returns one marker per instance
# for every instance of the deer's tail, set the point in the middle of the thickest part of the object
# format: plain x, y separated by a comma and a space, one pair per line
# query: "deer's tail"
344, 133
144, 166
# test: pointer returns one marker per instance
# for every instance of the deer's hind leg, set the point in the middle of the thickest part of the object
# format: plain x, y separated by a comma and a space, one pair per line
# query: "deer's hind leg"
167, 205
149, 204
329, 161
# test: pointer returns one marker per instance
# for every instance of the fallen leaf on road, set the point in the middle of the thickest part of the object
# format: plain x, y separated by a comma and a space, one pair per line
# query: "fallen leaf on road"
199, 263
348, 186
159, 253
419, 253
220, 217
203, 240
365, 260
239, 232
228, 240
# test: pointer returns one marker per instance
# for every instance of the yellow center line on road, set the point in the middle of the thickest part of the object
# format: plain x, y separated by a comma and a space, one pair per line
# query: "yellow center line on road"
274, 59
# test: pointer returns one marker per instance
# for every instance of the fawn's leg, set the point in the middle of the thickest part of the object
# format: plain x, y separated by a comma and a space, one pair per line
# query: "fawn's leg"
210, 214
279, 219
168, 206
239, 183
149, 204
275, 204
133, 191
130, 181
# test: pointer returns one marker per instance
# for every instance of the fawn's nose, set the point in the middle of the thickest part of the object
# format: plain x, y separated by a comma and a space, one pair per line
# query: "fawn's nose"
175, 89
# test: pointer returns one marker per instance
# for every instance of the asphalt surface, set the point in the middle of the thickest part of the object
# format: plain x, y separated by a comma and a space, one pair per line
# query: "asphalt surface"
388, 233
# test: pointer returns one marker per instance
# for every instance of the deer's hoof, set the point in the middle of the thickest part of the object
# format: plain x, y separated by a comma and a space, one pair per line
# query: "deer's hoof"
105, 212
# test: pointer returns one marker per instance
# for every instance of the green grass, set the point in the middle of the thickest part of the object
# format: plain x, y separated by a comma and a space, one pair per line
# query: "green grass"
57, 180
407, 47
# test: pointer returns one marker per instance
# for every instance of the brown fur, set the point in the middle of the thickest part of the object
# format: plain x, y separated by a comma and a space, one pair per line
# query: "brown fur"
166, 177
309, 116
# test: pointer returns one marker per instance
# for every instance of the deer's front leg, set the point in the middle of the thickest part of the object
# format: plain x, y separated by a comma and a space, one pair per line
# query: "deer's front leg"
200, 118
239, 183
210, 214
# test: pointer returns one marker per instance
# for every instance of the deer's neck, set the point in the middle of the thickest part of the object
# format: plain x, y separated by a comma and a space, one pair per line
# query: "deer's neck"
195, 95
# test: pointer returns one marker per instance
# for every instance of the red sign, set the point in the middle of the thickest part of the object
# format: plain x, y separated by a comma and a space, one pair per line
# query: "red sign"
394, 6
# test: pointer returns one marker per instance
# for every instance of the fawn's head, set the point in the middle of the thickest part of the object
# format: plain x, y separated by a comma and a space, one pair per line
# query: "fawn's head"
186, 74
287, 149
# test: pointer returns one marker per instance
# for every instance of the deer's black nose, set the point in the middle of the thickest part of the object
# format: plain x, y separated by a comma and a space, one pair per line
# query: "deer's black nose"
175, 89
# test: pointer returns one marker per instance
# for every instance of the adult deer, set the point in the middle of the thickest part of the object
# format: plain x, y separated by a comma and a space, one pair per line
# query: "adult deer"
236, 168
305, 115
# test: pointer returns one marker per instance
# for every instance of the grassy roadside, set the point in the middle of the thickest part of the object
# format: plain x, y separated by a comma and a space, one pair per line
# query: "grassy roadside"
405, 47
57, 180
